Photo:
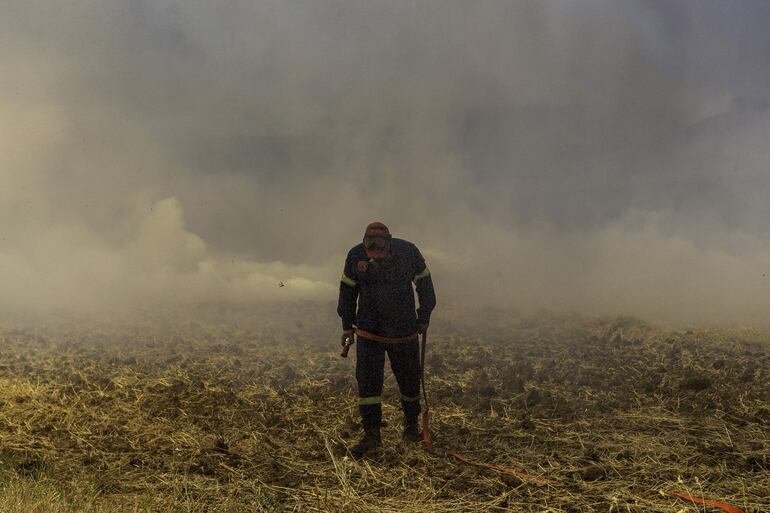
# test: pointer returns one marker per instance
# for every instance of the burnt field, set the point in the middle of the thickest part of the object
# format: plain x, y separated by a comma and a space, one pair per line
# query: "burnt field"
215, 413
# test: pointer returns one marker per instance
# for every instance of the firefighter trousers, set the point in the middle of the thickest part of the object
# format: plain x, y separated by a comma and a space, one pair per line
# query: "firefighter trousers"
370, 373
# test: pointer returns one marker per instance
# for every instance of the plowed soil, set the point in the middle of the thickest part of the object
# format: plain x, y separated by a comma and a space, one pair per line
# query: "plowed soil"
216, 412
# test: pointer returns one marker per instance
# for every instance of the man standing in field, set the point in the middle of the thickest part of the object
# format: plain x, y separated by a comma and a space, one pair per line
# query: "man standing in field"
378, 276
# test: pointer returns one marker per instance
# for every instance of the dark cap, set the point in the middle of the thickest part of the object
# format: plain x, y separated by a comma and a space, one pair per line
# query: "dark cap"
376, 228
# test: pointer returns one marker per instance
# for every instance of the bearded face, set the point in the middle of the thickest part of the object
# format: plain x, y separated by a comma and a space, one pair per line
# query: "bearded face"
379, 243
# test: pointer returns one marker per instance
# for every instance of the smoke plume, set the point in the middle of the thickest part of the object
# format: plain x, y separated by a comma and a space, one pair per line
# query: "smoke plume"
604, 157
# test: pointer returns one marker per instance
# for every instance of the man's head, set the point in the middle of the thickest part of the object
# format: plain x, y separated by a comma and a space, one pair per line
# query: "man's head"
376, 240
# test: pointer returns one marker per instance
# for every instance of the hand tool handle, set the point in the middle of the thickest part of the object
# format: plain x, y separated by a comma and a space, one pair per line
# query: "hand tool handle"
346, 347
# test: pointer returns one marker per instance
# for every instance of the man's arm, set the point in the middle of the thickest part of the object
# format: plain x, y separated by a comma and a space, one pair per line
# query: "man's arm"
346, 306
424, 285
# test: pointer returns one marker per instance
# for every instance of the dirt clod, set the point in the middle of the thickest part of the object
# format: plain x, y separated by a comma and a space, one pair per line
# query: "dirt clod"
696, 383
593, 473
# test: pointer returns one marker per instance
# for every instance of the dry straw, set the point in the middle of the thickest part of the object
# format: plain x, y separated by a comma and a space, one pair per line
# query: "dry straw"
217, 416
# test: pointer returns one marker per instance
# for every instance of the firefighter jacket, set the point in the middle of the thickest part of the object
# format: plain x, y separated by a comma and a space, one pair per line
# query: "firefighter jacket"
383, 290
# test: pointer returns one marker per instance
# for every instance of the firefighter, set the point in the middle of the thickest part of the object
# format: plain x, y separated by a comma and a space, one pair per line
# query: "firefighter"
376, 303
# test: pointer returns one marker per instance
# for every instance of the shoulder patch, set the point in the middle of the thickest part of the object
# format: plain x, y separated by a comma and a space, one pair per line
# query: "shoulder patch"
362, 266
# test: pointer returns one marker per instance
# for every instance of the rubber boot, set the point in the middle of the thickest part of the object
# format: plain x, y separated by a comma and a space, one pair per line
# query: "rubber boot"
411, 424
370, 442
371, 418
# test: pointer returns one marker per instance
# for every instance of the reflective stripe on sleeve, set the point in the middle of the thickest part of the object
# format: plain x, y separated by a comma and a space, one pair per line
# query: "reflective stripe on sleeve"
348, 281
424, 274
375, 399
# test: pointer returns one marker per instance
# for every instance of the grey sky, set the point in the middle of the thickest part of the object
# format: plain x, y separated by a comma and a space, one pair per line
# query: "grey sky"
600, 156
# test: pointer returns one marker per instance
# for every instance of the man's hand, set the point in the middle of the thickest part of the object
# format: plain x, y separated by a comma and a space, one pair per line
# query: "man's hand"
422, 328
345, 335
346, 341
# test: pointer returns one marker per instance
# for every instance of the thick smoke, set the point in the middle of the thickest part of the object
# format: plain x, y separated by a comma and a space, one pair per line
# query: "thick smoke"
604, 156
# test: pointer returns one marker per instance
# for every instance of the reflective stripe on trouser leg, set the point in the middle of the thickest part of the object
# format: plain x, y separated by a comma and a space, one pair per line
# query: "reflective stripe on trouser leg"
411, 408
405, 362
370, 362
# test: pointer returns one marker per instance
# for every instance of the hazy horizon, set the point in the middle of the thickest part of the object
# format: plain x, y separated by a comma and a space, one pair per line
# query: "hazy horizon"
603, 157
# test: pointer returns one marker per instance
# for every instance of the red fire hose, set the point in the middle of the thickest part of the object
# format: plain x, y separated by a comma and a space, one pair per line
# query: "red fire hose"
459, 457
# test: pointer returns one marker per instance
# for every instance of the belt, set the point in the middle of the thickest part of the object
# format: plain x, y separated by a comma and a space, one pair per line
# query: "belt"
385, 340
